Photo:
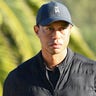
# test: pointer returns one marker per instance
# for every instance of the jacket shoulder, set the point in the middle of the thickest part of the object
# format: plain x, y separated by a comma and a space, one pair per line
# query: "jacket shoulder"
24, 70
83, 59
82, 64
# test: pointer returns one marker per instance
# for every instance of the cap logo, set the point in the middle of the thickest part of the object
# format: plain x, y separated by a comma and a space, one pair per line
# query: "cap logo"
56, 9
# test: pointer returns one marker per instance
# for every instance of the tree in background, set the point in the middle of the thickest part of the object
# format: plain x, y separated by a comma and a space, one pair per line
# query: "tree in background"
84, 16
18, 41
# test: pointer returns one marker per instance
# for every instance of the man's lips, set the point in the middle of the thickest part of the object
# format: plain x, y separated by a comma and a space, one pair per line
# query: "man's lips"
56, 46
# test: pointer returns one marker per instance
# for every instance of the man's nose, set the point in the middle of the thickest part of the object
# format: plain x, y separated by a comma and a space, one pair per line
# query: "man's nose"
56, 34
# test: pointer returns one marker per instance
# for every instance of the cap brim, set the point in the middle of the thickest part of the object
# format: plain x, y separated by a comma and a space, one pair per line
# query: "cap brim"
51, 20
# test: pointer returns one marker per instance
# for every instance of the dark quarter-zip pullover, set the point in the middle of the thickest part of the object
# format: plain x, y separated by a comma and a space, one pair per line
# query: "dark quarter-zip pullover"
76, 77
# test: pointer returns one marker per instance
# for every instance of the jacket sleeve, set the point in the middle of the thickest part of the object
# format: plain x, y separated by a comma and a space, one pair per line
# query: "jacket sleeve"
6, 87
95, 78
95, 82
9, 86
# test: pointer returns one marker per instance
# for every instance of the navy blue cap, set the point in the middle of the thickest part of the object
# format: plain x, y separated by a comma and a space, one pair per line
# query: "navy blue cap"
51, 12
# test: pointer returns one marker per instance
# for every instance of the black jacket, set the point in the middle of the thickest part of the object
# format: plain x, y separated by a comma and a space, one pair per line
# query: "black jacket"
29, 79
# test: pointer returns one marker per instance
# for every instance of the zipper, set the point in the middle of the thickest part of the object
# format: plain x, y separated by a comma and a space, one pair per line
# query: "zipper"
53, 90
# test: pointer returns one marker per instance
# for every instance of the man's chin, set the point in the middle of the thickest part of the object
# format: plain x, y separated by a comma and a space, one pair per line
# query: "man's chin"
55, 51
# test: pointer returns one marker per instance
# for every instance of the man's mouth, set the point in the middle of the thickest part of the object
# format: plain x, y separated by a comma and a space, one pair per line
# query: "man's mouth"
56, 46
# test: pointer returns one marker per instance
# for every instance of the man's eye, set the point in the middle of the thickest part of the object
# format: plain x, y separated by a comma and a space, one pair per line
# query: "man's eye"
62, 28
50, 29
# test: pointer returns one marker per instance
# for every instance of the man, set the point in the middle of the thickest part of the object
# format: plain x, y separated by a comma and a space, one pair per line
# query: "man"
55, 70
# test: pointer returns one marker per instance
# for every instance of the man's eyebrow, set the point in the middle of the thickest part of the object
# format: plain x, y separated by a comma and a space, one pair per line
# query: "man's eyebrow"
48, 25
65, 24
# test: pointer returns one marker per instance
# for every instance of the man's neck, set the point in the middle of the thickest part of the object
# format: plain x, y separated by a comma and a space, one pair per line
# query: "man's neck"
53, 60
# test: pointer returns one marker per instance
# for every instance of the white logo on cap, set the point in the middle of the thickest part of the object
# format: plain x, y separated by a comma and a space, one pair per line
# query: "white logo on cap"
57, 9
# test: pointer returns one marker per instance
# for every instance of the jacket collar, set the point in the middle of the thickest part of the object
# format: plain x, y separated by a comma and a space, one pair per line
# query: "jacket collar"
67, 60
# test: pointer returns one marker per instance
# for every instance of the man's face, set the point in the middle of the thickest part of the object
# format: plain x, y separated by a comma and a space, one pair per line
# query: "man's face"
54, 38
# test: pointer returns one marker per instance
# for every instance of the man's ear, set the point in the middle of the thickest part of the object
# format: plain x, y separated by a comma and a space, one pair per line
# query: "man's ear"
36, 29
71, 27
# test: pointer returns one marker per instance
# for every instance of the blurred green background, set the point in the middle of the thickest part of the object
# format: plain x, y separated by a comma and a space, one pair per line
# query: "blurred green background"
18, 41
